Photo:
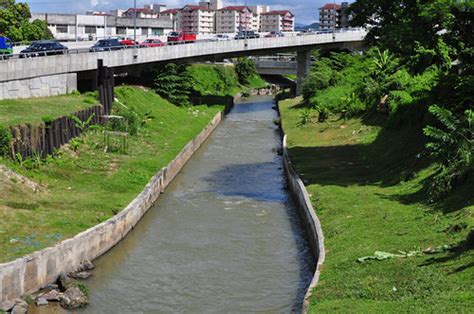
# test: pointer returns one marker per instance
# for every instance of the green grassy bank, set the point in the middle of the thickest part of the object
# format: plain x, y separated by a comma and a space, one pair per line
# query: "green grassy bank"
83, 185
34, 110
355, 173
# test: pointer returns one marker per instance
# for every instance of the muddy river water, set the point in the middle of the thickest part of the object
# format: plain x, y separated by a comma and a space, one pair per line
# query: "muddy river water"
224, 237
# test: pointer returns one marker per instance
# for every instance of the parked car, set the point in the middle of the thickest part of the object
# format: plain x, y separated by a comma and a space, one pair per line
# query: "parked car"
6, 47
106, 45
246, 34
150, 42
43, 48
176, 37
220, 37
274, 34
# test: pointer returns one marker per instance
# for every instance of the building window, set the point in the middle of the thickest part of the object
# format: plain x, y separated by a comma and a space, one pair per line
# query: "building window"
144, 31
61, 29
121, 31
157, 31
90, 29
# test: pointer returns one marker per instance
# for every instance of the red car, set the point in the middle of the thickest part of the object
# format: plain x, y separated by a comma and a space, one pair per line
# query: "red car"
152, 43
181, 37
128, 42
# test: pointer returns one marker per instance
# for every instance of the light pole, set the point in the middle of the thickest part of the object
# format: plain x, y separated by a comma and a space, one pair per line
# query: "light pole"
246, 27
334, 25
134, 22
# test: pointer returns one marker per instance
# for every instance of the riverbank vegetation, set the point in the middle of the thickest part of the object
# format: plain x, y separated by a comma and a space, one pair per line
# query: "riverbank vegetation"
369, 198
384, 143
179, 82
85, 182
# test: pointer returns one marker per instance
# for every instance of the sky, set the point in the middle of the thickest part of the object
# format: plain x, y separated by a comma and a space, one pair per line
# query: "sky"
306, 11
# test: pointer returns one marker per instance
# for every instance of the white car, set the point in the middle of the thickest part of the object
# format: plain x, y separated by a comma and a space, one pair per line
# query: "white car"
221, 37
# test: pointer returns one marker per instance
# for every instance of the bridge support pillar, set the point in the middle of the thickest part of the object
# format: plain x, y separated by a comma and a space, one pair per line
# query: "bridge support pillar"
303, 59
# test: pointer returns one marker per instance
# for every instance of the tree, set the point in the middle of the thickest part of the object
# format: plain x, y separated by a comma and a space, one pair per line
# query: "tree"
245, 69
15, 24
173, 83
413, 30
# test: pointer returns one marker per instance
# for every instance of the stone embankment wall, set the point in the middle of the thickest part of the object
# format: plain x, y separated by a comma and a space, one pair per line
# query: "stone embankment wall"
29, 273
310, 220
42, 86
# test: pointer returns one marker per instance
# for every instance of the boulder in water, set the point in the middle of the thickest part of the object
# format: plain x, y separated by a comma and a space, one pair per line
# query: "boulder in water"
74, 298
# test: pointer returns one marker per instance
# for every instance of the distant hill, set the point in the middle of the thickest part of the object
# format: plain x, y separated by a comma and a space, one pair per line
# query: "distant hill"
302, 27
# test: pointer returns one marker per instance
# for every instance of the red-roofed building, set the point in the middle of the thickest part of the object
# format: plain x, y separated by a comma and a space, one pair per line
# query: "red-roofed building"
277, 21
333, 16
232, 19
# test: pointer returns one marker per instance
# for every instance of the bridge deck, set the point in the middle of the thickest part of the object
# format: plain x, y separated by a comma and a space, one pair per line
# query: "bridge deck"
19, 69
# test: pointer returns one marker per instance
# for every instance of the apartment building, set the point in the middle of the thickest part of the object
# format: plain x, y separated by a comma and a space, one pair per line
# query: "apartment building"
277, 21
232, 19
334, 16
257, 11
73, 27
171, 15
197, 19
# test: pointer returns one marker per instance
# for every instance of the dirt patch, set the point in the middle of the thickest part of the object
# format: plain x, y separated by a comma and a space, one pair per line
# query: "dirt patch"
9, 177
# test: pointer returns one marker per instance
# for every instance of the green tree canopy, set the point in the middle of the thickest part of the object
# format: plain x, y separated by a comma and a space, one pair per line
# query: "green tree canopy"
15, 23
417, 31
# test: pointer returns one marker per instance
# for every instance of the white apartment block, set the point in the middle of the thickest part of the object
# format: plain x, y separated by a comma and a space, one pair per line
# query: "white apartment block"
277, 21
72, 27
197, 19
333, 16
233, 19
257, 11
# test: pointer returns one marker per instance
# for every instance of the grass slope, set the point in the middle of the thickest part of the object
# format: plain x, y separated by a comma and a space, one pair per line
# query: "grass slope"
367, 201
32, 110
89, 186
220, 80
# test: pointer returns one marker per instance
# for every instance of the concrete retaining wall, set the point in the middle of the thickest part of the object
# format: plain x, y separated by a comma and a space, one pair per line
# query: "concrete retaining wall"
310, 220
43, 86
29, 273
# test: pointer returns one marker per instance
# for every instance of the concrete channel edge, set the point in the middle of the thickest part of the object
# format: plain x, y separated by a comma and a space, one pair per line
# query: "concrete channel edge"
30, 273
310, 220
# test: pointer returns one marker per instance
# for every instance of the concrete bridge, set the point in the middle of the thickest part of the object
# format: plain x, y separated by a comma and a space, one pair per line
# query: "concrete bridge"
276, 66
59, 74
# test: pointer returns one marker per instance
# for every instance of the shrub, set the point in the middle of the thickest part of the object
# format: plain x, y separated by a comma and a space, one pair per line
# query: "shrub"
305, 116
245, 69
5, 139
453, 145
47, 119
321, 77
173, 83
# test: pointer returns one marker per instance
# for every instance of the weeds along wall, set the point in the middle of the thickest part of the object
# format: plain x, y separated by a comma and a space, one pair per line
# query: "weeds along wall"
29, 273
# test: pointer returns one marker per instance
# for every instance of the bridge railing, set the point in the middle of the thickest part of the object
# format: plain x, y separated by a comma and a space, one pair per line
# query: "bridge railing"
82, 50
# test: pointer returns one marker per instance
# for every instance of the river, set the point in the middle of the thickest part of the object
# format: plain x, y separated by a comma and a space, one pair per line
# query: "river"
224, 237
